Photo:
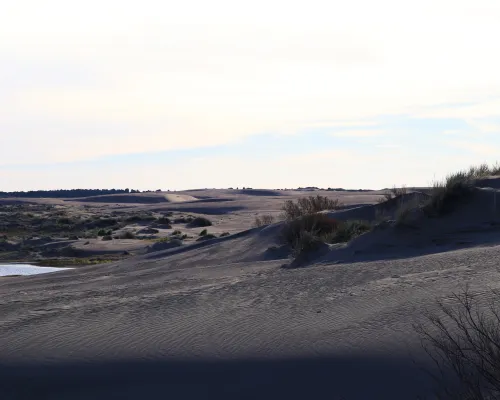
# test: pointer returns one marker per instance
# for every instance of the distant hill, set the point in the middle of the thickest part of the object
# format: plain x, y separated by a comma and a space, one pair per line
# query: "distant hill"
312, 188
66, 193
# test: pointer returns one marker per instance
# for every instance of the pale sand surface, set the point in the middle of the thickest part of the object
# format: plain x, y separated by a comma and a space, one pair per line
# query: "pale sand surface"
221, 319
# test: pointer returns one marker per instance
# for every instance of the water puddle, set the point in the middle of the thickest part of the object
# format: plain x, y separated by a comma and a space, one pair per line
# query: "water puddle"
26, 269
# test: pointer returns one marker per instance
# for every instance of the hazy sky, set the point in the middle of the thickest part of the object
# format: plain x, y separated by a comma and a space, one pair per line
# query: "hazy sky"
190, 94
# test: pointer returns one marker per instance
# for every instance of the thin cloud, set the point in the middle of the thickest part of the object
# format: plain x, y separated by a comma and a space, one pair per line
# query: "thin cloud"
360, 133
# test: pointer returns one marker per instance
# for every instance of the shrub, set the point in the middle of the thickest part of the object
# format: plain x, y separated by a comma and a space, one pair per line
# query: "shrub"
305, 241
105, 222
163, 221
203, 232
465, 341
308, 205
307, 232
140, 218
199, 222
224, 234
183, 220
107, 237
263, 220
126, 235
318, 225
176, 232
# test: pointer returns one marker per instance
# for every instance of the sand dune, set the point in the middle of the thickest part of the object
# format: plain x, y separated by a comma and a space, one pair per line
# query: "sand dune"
137, 198
222, 319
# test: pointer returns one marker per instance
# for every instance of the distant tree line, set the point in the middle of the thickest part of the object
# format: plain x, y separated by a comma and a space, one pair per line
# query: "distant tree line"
67, 193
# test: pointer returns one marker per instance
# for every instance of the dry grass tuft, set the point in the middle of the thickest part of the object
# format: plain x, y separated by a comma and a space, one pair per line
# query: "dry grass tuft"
264, 220
309, 205
393, 193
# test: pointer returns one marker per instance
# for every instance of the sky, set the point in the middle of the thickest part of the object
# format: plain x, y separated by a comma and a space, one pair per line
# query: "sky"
265, 94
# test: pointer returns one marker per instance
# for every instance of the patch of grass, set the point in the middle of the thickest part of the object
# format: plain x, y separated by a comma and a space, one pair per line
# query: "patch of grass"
176, 232
309, 205
224, 234
162, 239
200, 222
263, 220
65, 262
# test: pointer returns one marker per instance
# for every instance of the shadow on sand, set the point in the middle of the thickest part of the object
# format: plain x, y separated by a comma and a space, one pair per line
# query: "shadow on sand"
320, 378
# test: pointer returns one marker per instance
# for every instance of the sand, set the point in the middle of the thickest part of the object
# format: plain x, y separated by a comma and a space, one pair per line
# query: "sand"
222, 319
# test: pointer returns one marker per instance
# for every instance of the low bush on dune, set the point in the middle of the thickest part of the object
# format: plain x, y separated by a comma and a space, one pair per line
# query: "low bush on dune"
444, 194
455, 187
107, 237
319, 225
200, 222
263, 220
308, 205
204, 232
308, 232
